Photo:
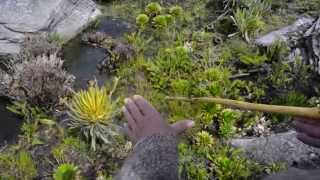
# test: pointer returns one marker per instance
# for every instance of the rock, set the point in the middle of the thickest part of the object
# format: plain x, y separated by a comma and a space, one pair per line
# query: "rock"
282, 147
303, 38
21, 17
311, 45
283, 34
296, 174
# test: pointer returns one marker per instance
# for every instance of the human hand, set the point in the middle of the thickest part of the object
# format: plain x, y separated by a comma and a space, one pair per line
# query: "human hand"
144, 120
308, 131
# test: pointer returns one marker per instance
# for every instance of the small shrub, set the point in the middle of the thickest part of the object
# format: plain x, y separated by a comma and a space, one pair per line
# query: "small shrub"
253, 59
38, 45
139, 44
17, 166
217, 74
25, 165
176, 11
261, 7
40, 81
171, 63
230, 164
94, 37
169, 19
276, 167
153, 9
160, 22
189, 167
278, 51
227, 123
204, 142
67, 172
181, 87
142, 20
197, 172
248, 22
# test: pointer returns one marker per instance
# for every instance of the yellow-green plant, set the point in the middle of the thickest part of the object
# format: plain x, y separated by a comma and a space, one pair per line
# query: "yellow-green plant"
160, 21
248, 22
205, 142
142, 20
17, 165
176, 11
92, 112
67, 172
153, 9
229, 163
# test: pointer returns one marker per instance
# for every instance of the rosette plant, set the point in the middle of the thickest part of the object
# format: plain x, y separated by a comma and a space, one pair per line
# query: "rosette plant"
92, 112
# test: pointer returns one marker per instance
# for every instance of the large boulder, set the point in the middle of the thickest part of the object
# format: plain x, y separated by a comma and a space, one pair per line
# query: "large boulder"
281, 147
20, 17
283, 34
303, 38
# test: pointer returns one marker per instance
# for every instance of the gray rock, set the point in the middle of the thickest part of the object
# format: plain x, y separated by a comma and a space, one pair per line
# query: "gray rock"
283, 34
303, 38
282, 147
296, 174
20, 17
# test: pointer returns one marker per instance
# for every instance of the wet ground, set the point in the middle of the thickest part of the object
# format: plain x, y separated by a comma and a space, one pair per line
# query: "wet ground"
81, 59
10, 123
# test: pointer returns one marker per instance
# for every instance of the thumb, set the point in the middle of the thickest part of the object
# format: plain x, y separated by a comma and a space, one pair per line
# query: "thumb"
181, 126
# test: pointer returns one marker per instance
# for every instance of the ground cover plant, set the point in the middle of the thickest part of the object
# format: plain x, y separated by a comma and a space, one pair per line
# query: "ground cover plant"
181, 48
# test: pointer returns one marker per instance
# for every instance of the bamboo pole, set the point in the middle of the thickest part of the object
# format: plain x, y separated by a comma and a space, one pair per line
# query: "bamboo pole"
302, 112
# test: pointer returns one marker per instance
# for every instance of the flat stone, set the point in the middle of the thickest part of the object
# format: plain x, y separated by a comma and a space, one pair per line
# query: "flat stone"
19, 17
282, 147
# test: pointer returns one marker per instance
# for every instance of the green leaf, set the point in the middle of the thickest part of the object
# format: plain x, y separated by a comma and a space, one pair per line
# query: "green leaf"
48, 122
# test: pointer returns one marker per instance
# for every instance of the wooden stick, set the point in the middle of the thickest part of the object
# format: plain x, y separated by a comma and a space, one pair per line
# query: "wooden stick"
303, 112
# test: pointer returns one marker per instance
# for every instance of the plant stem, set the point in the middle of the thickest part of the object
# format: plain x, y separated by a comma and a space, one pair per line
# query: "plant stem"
303, 112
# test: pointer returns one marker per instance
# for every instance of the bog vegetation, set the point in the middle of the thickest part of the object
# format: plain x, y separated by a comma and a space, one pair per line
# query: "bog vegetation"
181, 48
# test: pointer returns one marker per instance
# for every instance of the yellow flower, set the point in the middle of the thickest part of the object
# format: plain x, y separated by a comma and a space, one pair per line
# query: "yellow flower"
93, 105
